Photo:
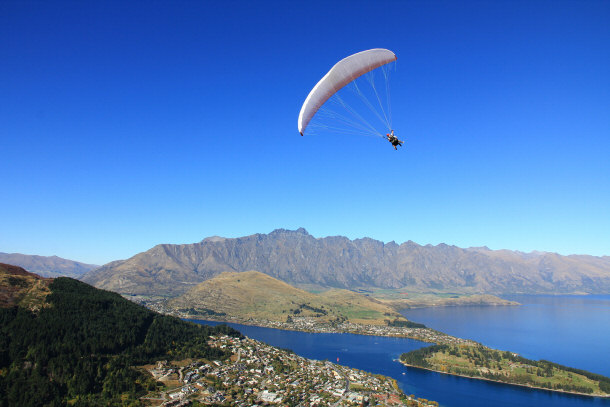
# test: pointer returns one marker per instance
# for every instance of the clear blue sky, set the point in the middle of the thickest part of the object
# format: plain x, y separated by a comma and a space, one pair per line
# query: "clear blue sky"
128, 124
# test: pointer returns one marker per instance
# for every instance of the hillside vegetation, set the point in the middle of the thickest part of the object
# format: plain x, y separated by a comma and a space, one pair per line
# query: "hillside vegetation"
22, 288
79, 348
256, 295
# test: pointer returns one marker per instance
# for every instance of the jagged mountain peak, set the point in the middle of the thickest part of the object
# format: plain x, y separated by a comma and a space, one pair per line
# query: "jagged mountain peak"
213, 239
298, 258
287, 232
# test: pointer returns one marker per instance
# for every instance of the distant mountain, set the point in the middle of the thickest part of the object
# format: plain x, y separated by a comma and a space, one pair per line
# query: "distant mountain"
79, 345
302, 260
252, 294
47, 266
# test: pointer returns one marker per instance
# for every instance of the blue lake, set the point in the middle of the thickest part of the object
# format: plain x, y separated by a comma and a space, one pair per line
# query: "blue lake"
569, 330
507, 328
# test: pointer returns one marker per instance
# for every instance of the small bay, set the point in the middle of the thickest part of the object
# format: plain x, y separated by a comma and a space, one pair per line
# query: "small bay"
379, 354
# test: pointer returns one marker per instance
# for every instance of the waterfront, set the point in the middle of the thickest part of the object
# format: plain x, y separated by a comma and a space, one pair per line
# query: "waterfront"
257, 372
379, 354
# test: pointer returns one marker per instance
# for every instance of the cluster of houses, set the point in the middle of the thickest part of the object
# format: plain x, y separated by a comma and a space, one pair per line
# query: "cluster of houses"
311, 324
259, 374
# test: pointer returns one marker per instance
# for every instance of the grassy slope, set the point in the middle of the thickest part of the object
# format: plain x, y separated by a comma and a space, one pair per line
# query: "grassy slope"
256, 295
19, 287
399, 301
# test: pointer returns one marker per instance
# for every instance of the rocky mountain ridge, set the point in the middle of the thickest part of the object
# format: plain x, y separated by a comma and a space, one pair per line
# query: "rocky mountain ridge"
302, 260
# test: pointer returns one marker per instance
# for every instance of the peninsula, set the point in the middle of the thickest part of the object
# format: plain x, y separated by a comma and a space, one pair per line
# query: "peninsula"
253, 298
480, 362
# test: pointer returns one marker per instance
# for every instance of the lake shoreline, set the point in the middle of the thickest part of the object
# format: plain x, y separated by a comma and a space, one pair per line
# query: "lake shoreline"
366, 355
601, 396
255, 324
427, 335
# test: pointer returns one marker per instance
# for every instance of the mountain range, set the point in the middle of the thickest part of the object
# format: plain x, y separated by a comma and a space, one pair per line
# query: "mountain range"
298, 258
47, 266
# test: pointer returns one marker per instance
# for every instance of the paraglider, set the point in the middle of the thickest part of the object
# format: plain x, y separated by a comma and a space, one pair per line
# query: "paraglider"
343, 73
394, 140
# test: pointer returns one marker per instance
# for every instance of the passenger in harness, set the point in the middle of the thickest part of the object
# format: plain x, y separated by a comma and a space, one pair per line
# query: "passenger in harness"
394, 140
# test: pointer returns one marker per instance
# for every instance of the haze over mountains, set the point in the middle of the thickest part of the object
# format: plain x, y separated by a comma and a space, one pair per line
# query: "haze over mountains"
47, 266
302, 260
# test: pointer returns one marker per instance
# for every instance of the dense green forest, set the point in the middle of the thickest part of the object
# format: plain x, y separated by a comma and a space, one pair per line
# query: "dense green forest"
82, 348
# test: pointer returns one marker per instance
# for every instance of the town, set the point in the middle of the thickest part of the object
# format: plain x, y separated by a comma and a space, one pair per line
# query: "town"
259, 374
308, 324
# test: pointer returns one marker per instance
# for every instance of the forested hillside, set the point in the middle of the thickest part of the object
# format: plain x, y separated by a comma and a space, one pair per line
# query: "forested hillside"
82, 346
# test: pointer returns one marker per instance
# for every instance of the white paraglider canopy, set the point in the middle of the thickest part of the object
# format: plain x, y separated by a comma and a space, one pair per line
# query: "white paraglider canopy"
344, 72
